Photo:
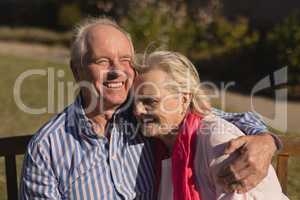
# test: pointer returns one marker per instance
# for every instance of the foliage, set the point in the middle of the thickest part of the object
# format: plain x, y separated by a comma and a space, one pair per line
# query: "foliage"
69, 15
172, 27
284, 40
225, 47
223, 37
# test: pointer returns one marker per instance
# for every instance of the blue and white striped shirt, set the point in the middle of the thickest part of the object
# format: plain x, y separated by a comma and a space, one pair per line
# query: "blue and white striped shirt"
67, 160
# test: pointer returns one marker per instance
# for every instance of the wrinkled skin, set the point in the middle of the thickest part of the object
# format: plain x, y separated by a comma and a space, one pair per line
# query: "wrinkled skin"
251, 166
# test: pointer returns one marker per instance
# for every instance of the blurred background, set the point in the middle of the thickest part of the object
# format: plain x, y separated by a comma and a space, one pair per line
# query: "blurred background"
228, 41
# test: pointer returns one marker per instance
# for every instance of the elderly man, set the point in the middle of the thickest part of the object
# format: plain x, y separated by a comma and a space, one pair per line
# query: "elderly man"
91, 149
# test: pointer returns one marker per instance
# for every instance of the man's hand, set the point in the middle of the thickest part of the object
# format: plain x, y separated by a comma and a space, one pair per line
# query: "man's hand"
251, 166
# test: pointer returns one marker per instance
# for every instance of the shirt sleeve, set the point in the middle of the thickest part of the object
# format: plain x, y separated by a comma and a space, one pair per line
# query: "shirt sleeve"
211, 150
37, 179
248, 122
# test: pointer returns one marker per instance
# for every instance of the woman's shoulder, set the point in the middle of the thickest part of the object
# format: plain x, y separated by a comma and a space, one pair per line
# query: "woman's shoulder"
213, 136
218, 130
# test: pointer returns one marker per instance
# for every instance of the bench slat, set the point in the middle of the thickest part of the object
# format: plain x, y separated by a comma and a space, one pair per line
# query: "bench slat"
14, 145
282, 170
10, 147
11, 177
291, 145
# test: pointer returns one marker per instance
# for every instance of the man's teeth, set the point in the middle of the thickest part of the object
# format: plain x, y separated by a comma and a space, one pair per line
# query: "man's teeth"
114, 85
148, 120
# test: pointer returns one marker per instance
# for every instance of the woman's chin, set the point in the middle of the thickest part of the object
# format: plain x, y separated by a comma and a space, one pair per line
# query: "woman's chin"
149, 133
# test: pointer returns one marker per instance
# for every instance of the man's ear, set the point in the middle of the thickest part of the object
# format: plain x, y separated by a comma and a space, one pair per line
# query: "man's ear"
75, 72
135, 73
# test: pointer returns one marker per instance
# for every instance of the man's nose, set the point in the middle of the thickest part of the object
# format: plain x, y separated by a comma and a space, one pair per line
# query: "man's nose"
116, 65
113, 74
115, 71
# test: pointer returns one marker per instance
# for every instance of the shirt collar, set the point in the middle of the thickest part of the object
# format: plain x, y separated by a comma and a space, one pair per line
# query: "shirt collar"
77, 118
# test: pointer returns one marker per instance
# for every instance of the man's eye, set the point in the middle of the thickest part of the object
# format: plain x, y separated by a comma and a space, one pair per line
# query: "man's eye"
102, 62
150, 102
125, 60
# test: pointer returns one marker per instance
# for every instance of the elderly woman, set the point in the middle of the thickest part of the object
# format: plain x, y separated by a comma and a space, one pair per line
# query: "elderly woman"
171, 106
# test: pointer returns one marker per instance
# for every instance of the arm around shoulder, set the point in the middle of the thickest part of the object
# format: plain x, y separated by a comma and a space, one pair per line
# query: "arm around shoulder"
213, 143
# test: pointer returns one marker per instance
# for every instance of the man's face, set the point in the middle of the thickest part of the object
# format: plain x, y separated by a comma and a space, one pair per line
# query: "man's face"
109, 66
158, 111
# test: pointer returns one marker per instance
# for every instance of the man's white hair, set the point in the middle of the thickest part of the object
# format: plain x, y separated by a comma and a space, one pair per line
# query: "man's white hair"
79, 47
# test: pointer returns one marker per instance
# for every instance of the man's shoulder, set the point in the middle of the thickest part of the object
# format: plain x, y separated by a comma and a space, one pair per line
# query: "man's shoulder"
55, 126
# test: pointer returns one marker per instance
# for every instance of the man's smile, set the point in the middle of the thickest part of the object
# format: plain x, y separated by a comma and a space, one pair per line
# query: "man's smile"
114, 84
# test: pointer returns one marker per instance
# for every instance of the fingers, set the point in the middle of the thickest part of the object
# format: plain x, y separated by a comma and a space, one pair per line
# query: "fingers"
242, 174
237, 181
231, 173
235, 144
243, 185
250, 167
234, 167
247, 184
236, 175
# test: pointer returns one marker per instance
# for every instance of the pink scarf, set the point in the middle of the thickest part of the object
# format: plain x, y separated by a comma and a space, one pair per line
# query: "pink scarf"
183, 177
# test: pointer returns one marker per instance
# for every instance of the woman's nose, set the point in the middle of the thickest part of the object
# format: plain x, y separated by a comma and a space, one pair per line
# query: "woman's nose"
139, 109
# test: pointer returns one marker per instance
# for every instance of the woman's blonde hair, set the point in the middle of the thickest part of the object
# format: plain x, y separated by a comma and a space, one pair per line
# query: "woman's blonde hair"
182, 72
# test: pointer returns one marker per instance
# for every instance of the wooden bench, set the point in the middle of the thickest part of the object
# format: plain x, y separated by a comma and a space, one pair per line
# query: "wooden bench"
13, 146
9, 149
291, 147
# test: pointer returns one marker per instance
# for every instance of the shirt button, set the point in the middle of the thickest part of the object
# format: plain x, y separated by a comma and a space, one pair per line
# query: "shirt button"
114, 157
118, 185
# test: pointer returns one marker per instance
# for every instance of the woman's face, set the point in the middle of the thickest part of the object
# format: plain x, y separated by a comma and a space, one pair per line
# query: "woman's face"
159, 111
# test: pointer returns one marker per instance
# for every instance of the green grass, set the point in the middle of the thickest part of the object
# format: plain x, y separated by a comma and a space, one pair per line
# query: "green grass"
293, 170
35, 35
34, 91
34, 94
294, 178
